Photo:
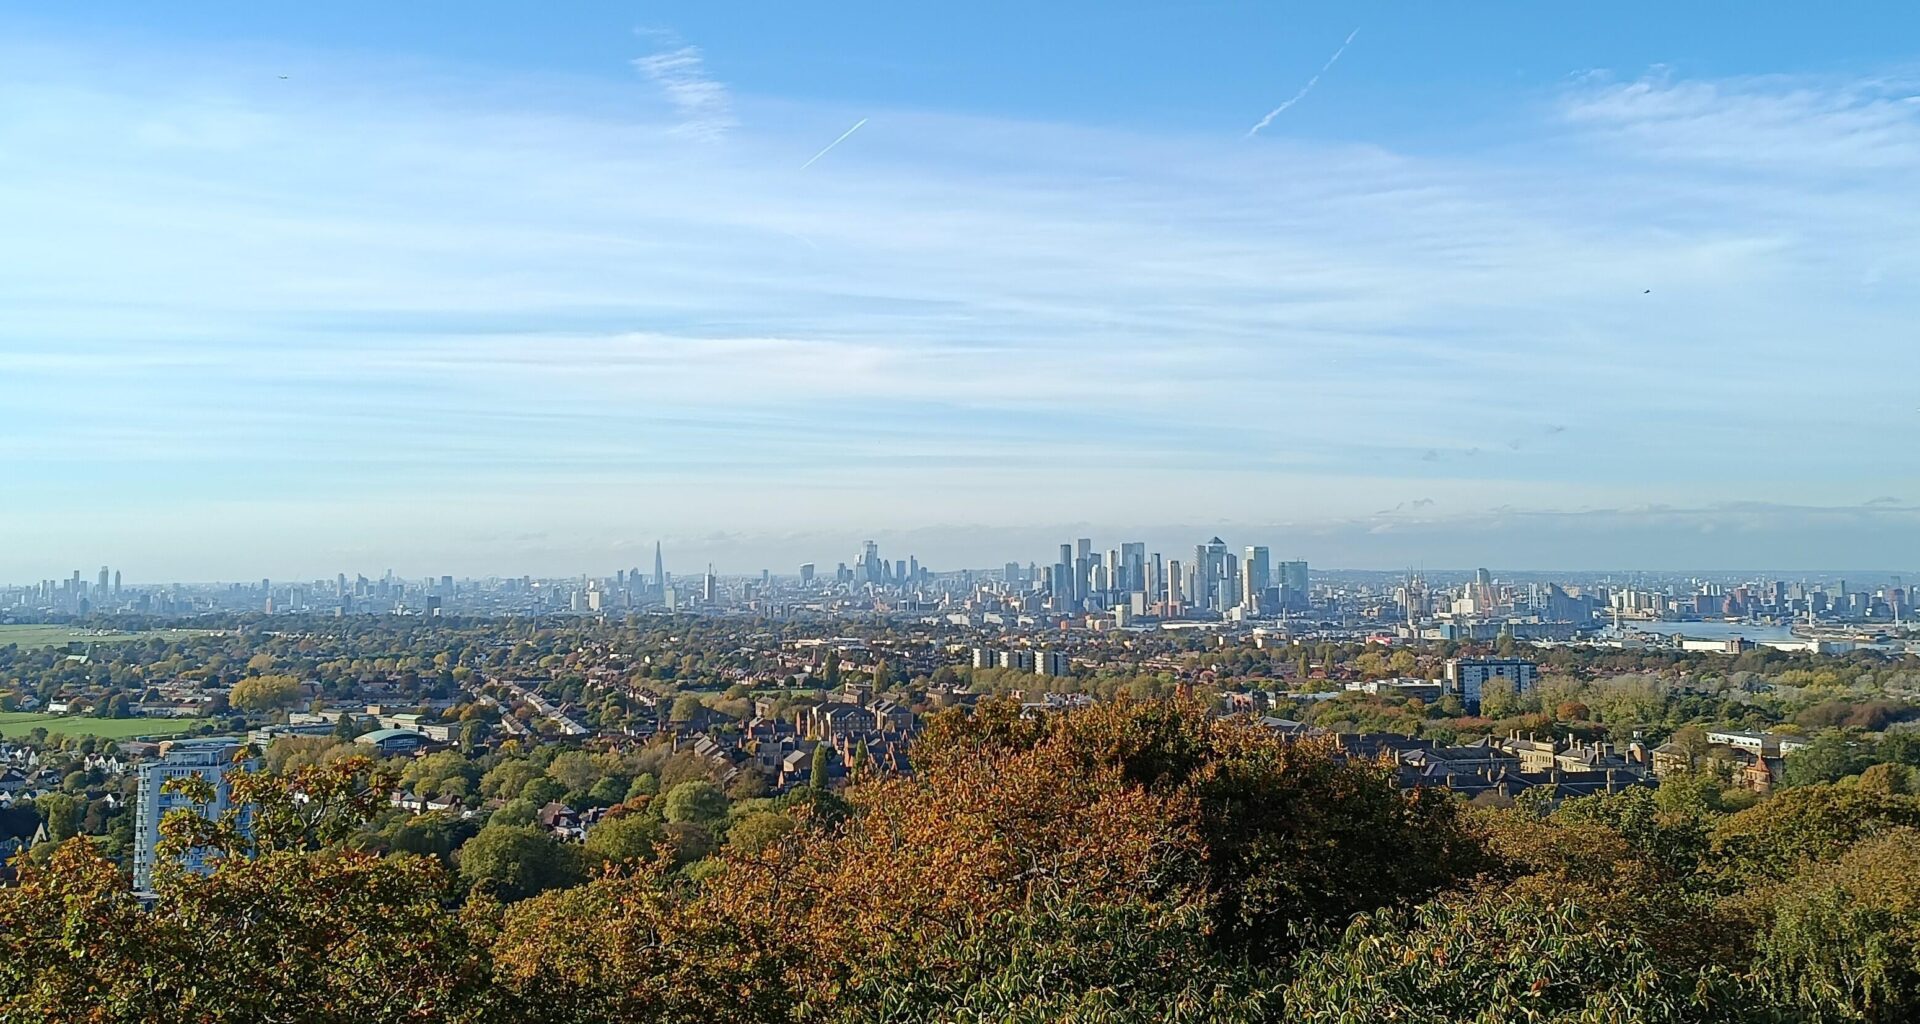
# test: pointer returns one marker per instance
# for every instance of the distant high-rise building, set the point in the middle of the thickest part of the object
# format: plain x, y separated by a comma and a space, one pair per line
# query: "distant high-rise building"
1255, 577
1060, 581
806, 574
102, 588
1294, 594
1210, 567
211, 758
116, 583
659, 573
1173, 584
710, 586
1133, 566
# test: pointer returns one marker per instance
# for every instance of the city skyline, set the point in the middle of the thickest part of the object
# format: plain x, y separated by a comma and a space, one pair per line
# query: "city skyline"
349, 289
1726, 540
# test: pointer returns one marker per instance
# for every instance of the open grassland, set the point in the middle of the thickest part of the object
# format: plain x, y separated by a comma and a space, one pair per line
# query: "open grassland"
15, 724
31, 636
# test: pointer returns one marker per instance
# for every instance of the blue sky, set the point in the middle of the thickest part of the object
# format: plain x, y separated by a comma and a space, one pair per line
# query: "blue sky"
484, 288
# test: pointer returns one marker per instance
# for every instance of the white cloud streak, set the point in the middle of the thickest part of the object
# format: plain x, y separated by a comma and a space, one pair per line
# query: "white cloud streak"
1305, 89
836, 142
705, 104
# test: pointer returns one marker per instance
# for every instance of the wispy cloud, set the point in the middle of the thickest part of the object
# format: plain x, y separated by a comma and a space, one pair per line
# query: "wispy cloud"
1305, 89
681, 73
1781, 122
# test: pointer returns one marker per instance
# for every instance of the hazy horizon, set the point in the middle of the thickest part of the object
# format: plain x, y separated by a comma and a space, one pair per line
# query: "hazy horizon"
482, 290
1720, 540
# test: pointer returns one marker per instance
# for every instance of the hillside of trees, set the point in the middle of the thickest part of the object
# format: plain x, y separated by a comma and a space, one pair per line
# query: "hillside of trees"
1138, 861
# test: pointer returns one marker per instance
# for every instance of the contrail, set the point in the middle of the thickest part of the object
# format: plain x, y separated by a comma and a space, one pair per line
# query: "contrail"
1304, 90
836, 142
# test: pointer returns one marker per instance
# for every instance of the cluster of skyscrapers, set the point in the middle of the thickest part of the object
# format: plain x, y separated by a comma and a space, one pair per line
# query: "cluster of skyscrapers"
75, 594
1215, 581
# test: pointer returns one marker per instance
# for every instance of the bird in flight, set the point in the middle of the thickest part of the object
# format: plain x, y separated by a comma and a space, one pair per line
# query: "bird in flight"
1646, 291
283, 78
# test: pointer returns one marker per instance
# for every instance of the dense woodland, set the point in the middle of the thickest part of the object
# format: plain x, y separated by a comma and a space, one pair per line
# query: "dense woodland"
1136, 861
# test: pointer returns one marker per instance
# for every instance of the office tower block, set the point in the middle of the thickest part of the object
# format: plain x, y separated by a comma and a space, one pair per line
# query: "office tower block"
1255, 575
1133, 566
1294, 595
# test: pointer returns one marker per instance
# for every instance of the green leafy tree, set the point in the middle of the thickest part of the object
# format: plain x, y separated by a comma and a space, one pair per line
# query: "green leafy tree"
61, 813
698, 801
513, 862
643, 784
623, 839
1831, 757
575, 770
822, 771
514, 812
542, 791
758, 831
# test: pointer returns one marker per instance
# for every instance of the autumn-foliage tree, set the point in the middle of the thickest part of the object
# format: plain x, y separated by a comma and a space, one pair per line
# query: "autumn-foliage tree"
289, 925
265, 693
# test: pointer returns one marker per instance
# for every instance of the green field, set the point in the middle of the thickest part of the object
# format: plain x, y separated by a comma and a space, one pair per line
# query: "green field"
15, 724
34, 636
